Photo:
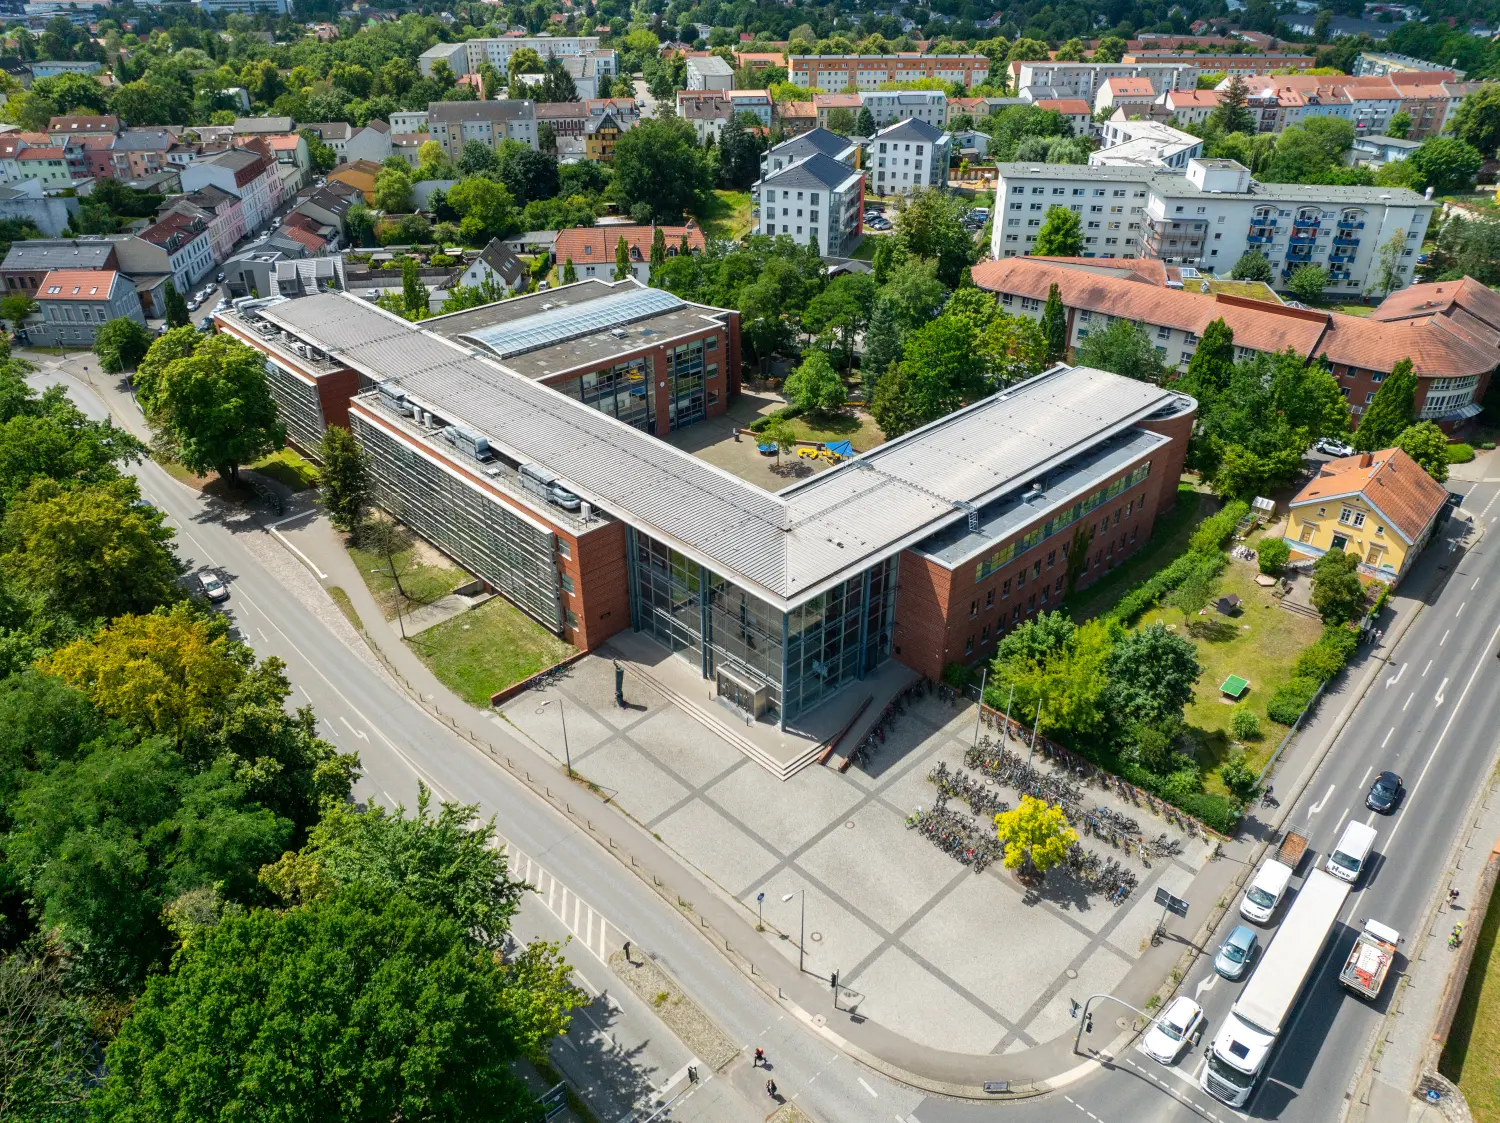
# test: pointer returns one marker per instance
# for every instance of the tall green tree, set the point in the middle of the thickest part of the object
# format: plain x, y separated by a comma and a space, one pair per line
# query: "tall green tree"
344, 479
121, 344
1151, 675
1427, 444
212, 407
622, 259
1400, 124
658, 249
46, 1068
1308, 282
1110, 49
1124, 348
1476, 122
929, 224
659, 166
864, 124
413, 291
1212, 364
176, 308
840, 312
1390, 414
940, 369
363, 1004
1055, 325
1061, 234
1232, 114
1252, 266
815, 387
1447, 165
1337, 592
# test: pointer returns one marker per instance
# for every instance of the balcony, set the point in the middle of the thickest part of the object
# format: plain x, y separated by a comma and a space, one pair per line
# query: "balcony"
1346, 243
1258, 239
1350, 225
1303, 239
1259, 222
1339, 259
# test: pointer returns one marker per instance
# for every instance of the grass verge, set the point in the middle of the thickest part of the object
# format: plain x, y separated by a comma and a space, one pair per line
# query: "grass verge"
728, 215
425, 576
1471, 1056
855, 426
346, 606
1169, 538
480, 653
287, 469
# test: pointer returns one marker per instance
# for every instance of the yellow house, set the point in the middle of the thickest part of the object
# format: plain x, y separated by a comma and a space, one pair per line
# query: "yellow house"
1378, 505
599, 140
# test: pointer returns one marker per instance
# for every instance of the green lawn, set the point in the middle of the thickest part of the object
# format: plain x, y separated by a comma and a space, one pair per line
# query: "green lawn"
1255, 290
287, 469
482, 652
728, 215
865, 251
1351, 309
1471, 1056
855, 426
1169, 537
425, 576
1260, 644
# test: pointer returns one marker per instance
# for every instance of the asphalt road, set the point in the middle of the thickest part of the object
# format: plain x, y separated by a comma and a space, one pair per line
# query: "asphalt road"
619, 1051
1432, 717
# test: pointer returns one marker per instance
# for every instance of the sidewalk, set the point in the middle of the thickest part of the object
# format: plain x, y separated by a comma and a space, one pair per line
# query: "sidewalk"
1029, 1071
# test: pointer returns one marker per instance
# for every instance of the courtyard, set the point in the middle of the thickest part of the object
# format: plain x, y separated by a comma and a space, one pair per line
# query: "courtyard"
957, 960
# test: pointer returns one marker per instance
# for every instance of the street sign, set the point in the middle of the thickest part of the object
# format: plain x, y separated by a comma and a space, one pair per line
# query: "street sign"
994, 1087
1175, 905
554, 1100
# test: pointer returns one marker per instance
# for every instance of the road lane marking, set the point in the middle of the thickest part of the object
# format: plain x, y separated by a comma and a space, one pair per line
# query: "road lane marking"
1438, 697
307, 561
1460, 611
351, 728
1366, 776
1409, 697
1438, 744
1395, 678
1205, 984
1476, 580
1370, 821
1315, 808
1429, 662
866, 1087
1340, 823
1388, 733
1442, 641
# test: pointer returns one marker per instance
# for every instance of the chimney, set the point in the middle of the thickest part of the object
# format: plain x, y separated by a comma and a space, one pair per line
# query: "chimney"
1365, 460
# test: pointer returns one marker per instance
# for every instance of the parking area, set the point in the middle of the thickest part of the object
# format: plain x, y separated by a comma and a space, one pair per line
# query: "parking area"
951, 958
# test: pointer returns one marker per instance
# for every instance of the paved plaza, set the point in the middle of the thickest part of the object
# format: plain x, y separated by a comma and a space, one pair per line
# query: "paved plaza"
926, 947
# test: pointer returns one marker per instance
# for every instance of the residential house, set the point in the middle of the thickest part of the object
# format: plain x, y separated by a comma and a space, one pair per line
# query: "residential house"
707, 111
409, 121
409, 147
757, 102
824, 104
138, 152
222, 212
797, 117
263, 126
496, 263
327, 205
566, 118
62, 129
454, 123
908, 156
886, 106
820, 141
623, 109
315, 236
1145, 144
48, 166
1078, 112
359, 175
1384, 149
243, 172
600, 137
815, 199
349, 143
29, 262
592, 249
1117, 92
1380, 506
91, 157
464, 58
185, 241
76, 303
1189, 107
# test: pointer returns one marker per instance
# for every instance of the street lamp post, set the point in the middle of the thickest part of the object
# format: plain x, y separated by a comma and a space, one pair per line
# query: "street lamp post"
1034, 721
983, 678
802, 934
561, 713
1005, 729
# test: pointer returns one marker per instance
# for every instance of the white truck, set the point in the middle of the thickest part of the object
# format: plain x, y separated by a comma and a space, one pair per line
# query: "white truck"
1243, 1045
1370, 959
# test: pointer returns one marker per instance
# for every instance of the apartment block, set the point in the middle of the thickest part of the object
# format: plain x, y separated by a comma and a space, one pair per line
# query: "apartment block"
1212, 214
870, 72
464, 58
889, 106
454, 123
908, 156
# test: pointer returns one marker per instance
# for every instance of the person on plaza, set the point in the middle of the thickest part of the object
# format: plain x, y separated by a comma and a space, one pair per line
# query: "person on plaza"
771, 1088
760, 1058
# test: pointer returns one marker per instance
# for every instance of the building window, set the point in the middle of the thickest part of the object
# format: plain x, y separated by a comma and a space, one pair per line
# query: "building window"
563, 548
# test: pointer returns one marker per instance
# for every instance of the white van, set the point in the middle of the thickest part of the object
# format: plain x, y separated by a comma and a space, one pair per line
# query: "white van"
1348, 857
1266, 891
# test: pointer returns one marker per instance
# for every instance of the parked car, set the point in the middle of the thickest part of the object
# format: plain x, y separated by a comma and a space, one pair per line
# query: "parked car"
193, 304
213, 587
1235, 957
1334, 447
220, 278
1173, 1031
1385, 794
372, 294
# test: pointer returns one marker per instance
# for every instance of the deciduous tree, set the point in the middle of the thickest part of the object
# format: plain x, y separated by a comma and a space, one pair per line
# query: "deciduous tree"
121, 344
658, 164
1252, 266
1427, 444
1476, 122
1337, 593
1036, 836
1124, 348
929, 224
176, 308
1151, 676
1447, 165
345, 480
815, 387
1061, 234
1212, 364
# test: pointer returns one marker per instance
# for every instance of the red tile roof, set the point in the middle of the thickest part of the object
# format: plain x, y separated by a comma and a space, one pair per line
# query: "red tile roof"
1067, 106
77, 284
597, 243
1391, 482
1133, 87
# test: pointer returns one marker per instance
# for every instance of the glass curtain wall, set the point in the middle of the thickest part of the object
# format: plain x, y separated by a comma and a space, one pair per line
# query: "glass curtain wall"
685, 377
832, 639
622, 391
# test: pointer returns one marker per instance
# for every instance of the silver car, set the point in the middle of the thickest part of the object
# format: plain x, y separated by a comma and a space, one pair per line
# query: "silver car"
213, 586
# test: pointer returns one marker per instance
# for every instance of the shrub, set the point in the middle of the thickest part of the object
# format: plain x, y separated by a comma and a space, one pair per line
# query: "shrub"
1217, 811
1145, 596
1213, 530
956, 675
1488, 446
1460, 453
1244, 724
1273, 554
1288, 702
1327, 656
1237, 776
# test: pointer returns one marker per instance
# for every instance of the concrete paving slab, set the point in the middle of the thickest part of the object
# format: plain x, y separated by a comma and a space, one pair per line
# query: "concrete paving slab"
784, 820
544, 726
634, 780
1097, 975
906, 998
880, 867
837, 939
719, 849
1008, 974
1134, 932
909, 789
592, 682
910, 738
684, 747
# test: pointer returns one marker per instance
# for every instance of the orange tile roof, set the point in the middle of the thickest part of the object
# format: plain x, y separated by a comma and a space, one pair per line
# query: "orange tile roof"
837, 101
1209, 98
1441, 298
1068, 106
799, 109
1130, 86
1391, 482
42, 154
597, 243
1436, 346
77, 284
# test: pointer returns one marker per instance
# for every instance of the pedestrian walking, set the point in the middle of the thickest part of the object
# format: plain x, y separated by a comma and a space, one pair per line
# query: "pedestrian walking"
760, 1058
1453, 898
771, 1088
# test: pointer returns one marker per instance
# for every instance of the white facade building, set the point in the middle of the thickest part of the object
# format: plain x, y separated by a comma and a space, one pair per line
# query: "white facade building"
814, 200
908, 156
1209, 216
1086, 79
1145, 144
464, 58
709, 73
888, 106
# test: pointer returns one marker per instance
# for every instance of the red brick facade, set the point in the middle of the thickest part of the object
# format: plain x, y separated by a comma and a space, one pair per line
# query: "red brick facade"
601, 582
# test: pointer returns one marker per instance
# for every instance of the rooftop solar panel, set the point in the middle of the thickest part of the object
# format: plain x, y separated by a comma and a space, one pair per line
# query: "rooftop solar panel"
570, 321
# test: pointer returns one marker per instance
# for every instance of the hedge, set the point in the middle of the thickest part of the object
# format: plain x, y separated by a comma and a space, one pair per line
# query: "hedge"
1184, 789
1326, 658
1288, 702
1460, 453
785, 413
1145, 596
1213, 530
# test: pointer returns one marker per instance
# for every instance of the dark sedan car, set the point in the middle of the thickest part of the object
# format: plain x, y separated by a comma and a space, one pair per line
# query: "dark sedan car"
1385, 793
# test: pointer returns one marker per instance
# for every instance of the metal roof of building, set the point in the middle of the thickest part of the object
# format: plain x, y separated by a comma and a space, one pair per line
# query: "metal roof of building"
788, 545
